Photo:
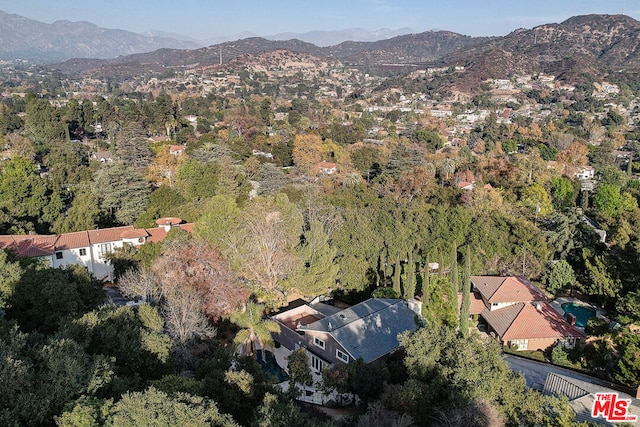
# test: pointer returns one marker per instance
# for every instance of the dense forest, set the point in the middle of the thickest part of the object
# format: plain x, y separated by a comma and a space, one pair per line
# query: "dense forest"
270, 226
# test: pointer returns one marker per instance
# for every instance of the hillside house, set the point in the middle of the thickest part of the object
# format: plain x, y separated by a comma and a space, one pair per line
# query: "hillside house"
518, 314
367, 331
89, 248
327, 168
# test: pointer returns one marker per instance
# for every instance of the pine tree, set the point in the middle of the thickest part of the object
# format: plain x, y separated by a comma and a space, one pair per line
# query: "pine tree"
466, 294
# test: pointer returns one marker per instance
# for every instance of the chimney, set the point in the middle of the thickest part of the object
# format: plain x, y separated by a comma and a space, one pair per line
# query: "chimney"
571, 318
415, 305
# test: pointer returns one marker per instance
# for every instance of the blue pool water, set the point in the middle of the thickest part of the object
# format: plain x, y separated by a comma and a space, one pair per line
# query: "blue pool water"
582, 313
267, 360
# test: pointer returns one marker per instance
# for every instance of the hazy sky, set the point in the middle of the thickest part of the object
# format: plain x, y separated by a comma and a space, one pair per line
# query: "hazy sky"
210, 18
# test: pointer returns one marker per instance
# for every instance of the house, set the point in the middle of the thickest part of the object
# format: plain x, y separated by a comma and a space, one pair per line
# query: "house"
327, 168
584, 172
367, 331
89, 248
176, 150
102, 156
518, 313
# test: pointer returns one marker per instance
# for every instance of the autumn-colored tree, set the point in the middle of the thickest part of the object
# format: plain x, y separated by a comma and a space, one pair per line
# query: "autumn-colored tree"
196, 266
269, 231
574, 155
307, 152
162, 169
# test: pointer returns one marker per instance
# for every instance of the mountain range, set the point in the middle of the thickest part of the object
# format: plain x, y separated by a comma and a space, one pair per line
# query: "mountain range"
588, 44
23, 38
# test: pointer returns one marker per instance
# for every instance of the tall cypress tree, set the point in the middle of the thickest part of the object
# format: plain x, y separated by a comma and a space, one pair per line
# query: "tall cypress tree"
410, 282
425, 282
453, 275
466, 294
396, 275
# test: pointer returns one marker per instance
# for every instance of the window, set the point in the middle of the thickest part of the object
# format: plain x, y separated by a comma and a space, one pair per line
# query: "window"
521, 344
83, 252
317, 341
59, 255
342, 356
317, 364
105, 248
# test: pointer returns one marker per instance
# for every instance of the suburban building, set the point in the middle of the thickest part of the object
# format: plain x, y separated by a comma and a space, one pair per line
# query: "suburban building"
518, 313
367, 331
89, 248
327, 168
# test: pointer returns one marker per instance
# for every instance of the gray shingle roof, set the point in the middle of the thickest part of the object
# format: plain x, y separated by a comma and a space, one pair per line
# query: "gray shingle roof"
368, 330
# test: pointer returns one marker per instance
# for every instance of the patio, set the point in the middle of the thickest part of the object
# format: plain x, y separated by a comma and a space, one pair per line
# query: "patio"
557, 306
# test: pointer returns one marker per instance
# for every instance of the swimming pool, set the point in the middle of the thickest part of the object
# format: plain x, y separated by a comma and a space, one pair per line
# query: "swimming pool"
582, 313
271, 367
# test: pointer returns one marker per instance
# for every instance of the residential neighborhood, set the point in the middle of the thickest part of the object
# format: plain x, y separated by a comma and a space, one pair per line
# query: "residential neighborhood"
433, 229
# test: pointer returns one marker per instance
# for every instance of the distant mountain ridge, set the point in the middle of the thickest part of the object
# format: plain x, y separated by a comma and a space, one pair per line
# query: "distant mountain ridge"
23, 38
578, 47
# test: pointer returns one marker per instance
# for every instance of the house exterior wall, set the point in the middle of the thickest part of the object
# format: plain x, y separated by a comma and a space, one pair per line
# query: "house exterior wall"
73, 257
289, 339
330, 346
534, 344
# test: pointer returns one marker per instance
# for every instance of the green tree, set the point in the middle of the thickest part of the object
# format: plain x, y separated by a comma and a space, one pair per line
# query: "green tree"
318, 274
466, 294
84, 214
122, 191
448, 373
609, 200
153, 407
10, 274
255, 331
299, 370
197, 181
409, 289
628, 367
44, 297
563, 193
558, 276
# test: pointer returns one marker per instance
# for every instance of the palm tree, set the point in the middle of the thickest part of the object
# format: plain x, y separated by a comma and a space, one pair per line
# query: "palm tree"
255, 329
447, 168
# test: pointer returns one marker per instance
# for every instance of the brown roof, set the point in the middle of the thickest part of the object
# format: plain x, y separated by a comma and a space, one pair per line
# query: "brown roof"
156, 234
327, 165
476, 304
500, 289
78, 239
524, 321
132, 234
29, 245
107, 234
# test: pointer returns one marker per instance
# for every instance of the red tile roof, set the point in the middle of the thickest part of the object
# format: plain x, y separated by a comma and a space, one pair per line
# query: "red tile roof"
44, 245
524, 321
78, 239
132, 234
476, 305
104, 235
497, 289
327, 165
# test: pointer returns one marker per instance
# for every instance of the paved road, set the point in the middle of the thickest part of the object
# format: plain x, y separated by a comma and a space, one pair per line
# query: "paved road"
535, 372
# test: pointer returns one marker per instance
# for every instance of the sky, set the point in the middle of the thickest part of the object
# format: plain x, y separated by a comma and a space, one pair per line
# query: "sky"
202, 19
